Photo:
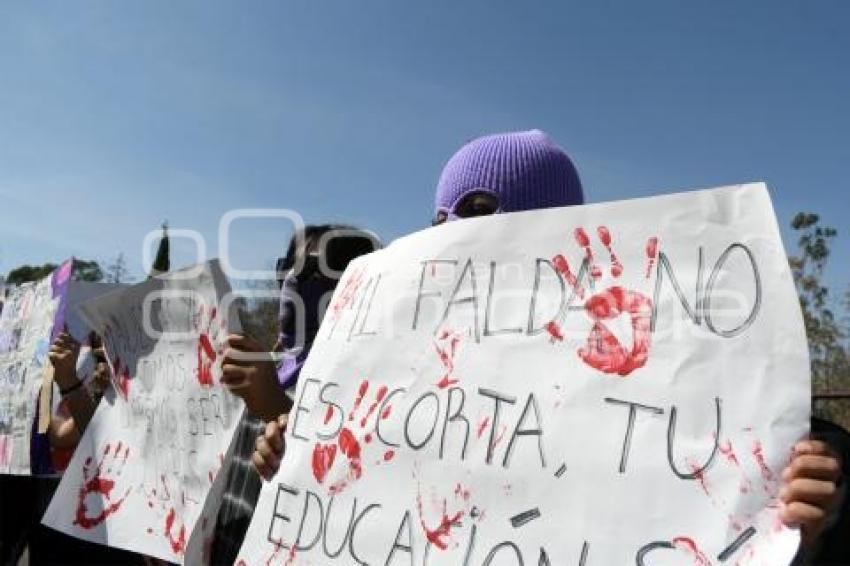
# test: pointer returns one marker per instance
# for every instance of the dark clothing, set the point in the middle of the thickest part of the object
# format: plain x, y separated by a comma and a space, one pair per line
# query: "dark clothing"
240, 494
25, 499
834, 545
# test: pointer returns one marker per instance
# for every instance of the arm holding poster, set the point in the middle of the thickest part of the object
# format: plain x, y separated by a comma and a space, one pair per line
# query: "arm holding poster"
248, 371
63, 354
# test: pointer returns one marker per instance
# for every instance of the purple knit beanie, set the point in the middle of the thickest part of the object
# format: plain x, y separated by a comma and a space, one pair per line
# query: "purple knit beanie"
525, 170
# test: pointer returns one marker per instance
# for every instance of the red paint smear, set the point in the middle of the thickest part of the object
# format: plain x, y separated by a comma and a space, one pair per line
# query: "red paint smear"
349, 445
438, 535
382, 392
584, 242
207, 346
346, 296
323, 458
605, 238
554, 331
329, 414
368, 438
581, 237
462, 492
122, 378
206, 357
651, 254
726, 450
277, 547
389, 455
603, 350
447, 357
690, 546
758, 454
482, 426
178, 543
699, 475
386, 412
563, 267
500, 436
364, 387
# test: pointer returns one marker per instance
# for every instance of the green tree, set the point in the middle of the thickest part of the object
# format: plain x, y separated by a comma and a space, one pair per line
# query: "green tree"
830, 360
26, 273
87, 270
117, 272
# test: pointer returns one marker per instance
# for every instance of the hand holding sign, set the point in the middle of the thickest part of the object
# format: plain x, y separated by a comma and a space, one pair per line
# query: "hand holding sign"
248, 371
270, 448
810, 490
63, 354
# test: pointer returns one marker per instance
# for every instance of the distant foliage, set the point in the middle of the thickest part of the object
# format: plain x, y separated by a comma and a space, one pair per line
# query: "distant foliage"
27, 273
87, 271
827, 336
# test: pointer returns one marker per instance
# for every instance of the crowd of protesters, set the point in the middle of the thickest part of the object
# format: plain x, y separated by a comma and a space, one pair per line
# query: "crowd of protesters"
494, 174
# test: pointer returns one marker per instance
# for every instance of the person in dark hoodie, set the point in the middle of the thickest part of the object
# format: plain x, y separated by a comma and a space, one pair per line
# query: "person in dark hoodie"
309, 272
519, 171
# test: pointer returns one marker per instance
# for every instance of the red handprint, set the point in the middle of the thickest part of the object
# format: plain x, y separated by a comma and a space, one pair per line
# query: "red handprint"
603, 350
324, 455
210, 333
98, 484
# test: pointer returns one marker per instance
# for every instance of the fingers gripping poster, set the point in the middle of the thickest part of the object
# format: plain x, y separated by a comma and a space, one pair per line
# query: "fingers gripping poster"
145, 465
31, 314
617, 383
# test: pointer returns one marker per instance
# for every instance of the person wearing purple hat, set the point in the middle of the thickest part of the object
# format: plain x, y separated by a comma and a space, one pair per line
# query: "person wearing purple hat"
516, 171
506, 173
519, 171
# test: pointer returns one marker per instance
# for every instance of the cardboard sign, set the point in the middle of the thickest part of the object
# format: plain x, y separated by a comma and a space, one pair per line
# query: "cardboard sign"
31, 317
145, 465
617, 383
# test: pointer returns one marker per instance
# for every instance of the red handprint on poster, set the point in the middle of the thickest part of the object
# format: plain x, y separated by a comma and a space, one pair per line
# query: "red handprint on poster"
603, 350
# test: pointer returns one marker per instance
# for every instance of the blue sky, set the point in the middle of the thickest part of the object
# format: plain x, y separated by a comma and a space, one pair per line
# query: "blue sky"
117, 115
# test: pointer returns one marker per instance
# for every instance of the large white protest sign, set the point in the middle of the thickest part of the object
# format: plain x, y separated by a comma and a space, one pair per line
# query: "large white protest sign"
145, 465
617, 383
27, 323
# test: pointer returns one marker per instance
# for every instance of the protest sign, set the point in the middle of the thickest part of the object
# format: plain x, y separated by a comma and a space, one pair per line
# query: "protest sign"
616, 383
144, 467
32, 315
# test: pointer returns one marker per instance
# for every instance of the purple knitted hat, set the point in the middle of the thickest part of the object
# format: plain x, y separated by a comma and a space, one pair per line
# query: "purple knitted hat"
525, 170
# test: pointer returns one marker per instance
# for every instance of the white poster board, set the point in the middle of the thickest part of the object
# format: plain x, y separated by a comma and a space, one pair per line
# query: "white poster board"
26, 325
616, 383
145, 465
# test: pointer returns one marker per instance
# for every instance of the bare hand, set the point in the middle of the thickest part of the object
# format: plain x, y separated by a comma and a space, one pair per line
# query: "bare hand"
270, 448
810, 490
63, 355
246, 365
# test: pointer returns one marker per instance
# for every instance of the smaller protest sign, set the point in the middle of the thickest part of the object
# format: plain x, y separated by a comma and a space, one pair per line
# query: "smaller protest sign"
144, 467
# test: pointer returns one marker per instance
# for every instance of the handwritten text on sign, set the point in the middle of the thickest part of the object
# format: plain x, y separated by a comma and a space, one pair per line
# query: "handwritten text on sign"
26, 326
145, 465
608, 384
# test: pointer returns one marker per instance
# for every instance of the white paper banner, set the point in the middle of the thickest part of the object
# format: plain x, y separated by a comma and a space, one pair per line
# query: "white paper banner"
26, 324
617, 383
145, 465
